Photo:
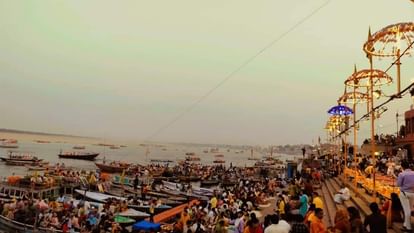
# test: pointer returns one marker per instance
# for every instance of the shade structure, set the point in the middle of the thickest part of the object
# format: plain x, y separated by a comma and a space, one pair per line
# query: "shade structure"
340, 110
362, 78
387, 41
146, 226
353, 98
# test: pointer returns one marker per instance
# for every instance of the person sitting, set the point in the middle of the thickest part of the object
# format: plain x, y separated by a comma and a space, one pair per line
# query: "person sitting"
342, 195
395, 213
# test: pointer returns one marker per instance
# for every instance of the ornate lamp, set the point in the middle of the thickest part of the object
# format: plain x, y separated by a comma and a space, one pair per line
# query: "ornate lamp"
369, 78
388, 42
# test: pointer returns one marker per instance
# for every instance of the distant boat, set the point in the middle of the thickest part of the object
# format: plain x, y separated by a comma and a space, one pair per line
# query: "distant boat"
78, 155
219, 161
252, 157
123, 146
42, 141
20, 156
79, 147
161, 161
114, 147
219, 156
9, 145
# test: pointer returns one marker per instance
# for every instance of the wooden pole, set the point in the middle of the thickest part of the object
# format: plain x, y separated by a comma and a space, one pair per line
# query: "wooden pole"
371, 94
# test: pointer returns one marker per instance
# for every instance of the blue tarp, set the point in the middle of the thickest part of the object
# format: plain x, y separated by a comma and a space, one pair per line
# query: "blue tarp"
146, 226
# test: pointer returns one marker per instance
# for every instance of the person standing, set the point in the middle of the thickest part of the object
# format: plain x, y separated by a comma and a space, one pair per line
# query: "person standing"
303, 209
406, 183
376, 221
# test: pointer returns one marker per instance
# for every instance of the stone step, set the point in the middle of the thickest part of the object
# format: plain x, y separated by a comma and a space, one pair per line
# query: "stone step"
330, 207
362, 201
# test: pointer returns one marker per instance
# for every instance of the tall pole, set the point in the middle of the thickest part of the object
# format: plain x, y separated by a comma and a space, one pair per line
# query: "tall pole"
371, 95
398, 63
355, 138
396, 116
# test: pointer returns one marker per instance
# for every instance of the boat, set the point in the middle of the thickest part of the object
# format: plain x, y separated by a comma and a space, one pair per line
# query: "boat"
123, 146
189, 178
219, 156
192, 158
42, 141
79, 147
209, 182
131, 213
219, 161
252, 157
113, 167
196, 190
20, 156
78, 155
25, 163
14, 226
9, 145
100, 197
161, 161
114, 147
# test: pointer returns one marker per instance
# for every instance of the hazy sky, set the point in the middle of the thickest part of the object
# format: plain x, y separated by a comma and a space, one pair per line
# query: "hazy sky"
123, 69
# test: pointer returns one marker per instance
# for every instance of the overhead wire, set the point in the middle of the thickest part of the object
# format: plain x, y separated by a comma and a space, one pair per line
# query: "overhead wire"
235, 71
391, 98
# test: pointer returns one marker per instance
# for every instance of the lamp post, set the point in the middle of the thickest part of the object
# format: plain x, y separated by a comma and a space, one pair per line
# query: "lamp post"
370, 78
387, 43
354, 98
342, 112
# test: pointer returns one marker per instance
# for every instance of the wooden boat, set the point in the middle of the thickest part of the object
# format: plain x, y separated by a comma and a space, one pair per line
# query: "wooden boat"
161, 161
42, 141
112, 167
20, 156
209, 182
9, 145
219, 156
79, 147
100, 197
229, 182
219, 161
196, 190
114, 147
14, 226
189, 178
24, 163
78, 155
131, 213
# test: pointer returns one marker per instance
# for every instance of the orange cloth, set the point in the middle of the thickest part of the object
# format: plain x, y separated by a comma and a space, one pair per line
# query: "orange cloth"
317, 227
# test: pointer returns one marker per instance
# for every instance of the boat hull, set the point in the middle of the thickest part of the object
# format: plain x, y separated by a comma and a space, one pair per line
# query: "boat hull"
83, 157
13, 226
110, 168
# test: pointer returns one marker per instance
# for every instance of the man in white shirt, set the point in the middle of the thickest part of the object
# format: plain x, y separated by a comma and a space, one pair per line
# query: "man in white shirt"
277, 226
342, 195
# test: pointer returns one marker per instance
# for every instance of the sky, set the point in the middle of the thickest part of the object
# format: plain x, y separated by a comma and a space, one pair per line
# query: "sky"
133, 70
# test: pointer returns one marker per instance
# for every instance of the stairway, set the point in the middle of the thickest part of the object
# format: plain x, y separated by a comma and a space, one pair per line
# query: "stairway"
359, 199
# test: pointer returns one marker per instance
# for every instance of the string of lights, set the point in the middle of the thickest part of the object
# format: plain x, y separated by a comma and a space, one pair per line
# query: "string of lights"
403, 92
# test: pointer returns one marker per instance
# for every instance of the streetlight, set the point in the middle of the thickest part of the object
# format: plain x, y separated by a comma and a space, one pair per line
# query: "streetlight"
387, 43
342, 112
354, 98
369, 78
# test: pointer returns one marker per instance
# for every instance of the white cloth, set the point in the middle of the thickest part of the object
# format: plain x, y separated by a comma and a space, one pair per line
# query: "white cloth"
407, 200
343, 195
281, 227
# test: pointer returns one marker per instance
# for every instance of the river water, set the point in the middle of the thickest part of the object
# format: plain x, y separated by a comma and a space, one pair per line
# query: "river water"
135, 153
